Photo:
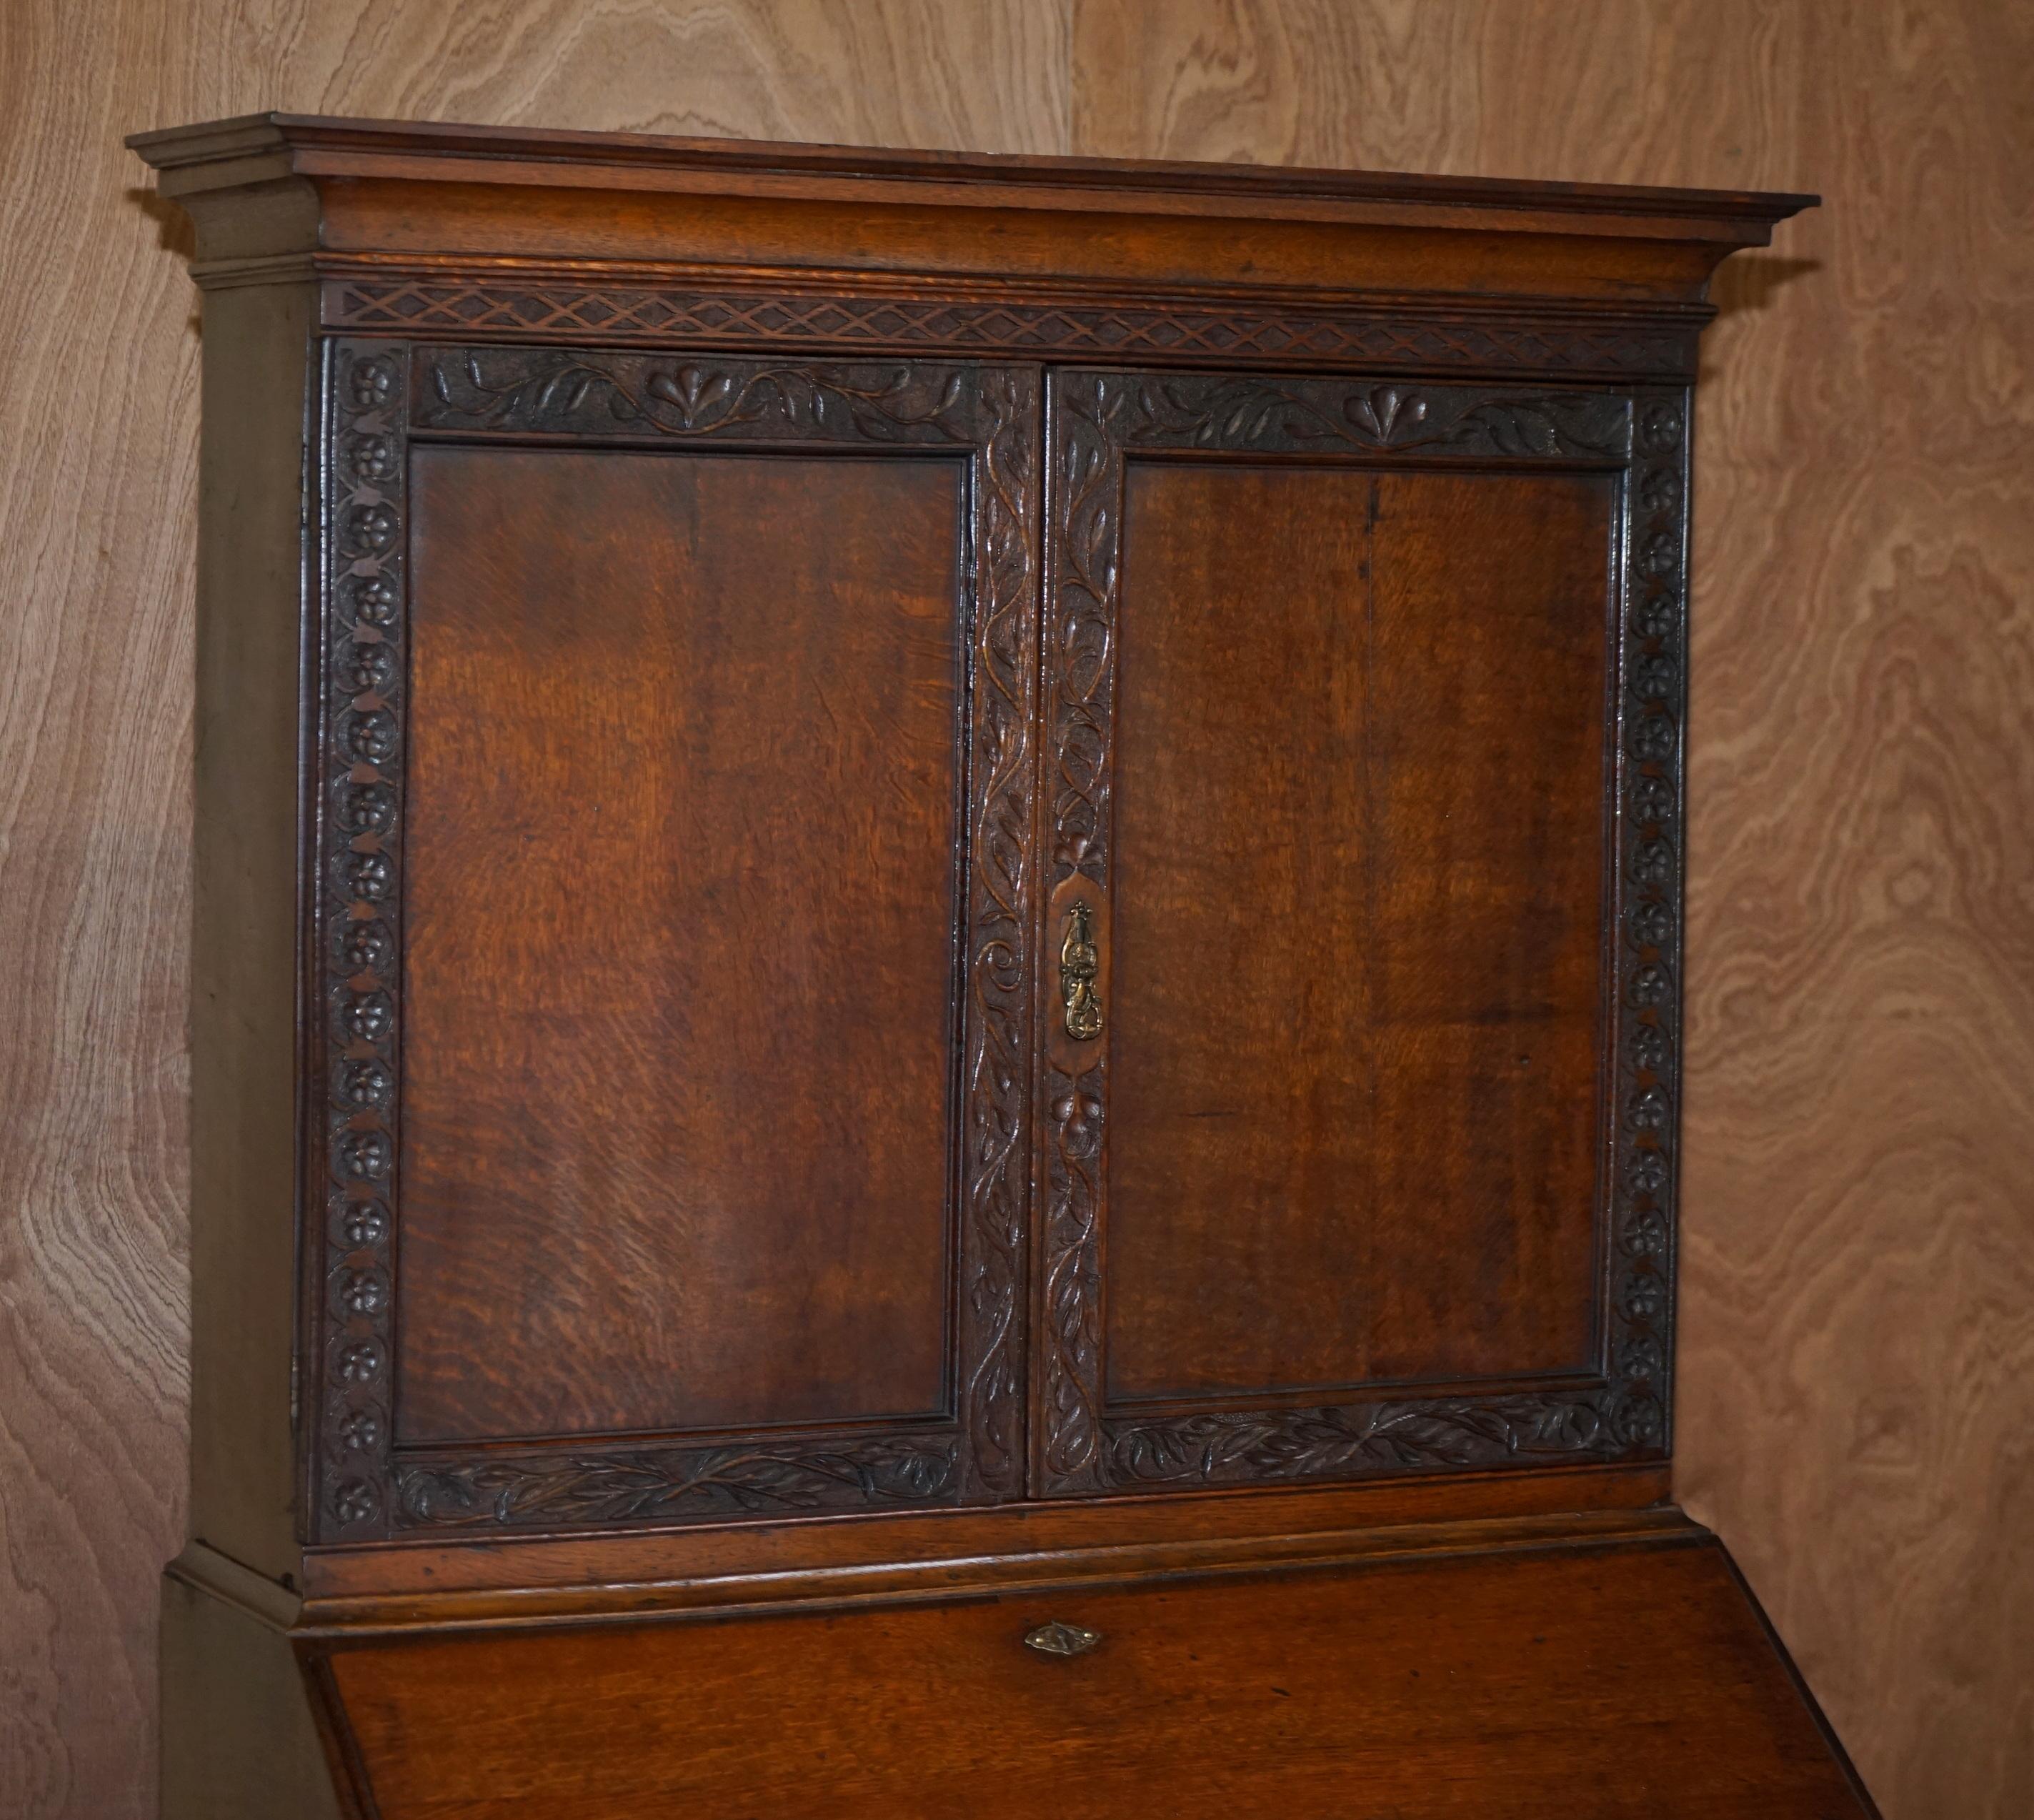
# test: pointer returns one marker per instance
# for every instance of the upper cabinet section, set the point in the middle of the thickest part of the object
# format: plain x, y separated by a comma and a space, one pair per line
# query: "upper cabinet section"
972, 828
475, 232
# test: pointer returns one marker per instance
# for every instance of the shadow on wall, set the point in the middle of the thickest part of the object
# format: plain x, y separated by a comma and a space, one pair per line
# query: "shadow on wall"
175, 232
1751, 281
1748, 282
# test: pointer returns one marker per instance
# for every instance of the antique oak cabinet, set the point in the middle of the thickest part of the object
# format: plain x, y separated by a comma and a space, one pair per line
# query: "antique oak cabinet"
938, 979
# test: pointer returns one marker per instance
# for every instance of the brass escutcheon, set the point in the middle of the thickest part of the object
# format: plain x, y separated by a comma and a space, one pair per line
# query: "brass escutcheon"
1078, 966
1058, 1639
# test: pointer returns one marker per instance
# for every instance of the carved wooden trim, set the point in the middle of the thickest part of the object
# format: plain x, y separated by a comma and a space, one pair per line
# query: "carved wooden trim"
1095, 418
593, 396
1378, 336
577, 1488
357, 996
377, 394
1646, 1013
1003, 698
1407, 1435
1287, 416
1083, 522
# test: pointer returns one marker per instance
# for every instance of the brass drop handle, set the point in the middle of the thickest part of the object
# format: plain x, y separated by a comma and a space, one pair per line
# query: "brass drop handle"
1058, 1639
1078, 967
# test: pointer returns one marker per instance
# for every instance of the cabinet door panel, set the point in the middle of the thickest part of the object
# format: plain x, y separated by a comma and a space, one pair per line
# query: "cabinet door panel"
680, 955
1332, 695
1358, 910
1241, 1082
680, 850
1485, 972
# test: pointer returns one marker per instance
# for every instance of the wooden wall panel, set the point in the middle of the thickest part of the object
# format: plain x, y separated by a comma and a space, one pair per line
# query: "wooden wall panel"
1858, 1378
1857, 1369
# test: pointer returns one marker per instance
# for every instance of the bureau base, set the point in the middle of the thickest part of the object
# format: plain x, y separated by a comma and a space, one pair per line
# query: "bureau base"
1587, 1680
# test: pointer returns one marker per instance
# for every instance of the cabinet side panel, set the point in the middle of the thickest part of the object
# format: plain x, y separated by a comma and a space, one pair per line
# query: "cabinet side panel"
244, 1042
239, 1739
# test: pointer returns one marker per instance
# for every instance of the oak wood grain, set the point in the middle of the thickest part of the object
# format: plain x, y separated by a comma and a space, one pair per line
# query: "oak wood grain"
1355, 1098
1392, 1689
617, 681
1856, 1377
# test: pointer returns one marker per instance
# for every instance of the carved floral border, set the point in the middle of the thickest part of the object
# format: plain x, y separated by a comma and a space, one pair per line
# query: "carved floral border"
376, 395
1646, 1023
1094, 418
361, 737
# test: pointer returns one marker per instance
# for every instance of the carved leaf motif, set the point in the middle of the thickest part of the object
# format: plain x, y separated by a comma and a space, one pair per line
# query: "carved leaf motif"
1542, 427
1324, 1442
997, 1176
1080, 636
549, 390
647, 1485
1378, 411
1295, 415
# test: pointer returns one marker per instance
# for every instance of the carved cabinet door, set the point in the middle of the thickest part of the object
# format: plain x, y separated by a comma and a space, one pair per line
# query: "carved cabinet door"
671, 994
1360, 742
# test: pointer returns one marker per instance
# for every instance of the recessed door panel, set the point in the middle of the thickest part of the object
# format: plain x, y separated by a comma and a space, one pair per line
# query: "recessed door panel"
1358, 909
1488, 615
1243, 1083
679, 1052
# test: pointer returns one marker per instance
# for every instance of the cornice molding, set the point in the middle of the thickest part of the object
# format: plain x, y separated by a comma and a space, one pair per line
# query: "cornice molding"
278, 185
316, 143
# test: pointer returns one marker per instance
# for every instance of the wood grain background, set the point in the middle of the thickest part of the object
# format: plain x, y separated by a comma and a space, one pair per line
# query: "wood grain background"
1857, 1392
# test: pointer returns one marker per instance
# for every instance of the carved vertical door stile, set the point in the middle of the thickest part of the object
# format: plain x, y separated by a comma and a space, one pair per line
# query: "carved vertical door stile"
353, 1123
1084, 491
1003, 677
1648, 879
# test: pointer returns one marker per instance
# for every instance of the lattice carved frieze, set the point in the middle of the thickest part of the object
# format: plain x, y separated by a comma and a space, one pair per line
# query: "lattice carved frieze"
1234, 331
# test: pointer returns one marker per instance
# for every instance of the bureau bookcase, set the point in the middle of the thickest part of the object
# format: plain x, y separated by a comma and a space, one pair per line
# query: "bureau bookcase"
938, 976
